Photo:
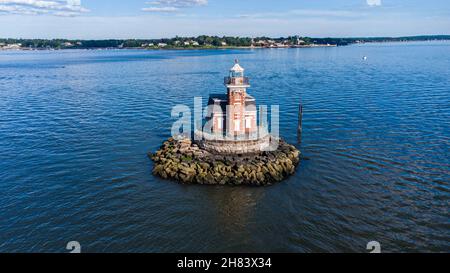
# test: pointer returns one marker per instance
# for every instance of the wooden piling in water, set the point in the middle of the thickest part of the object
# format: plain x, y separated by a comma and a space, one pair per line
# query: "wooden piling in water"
300, 124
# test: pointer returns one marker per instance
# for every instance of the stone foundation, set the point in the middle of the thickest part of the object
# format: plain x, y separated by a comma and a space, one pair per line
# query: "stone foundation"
235, 147
189, 163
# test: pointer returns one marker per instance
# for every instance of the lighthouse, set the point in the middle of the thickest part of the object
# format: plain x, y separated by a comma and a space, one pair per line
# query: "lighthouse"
231, 148
234, 113
237, 86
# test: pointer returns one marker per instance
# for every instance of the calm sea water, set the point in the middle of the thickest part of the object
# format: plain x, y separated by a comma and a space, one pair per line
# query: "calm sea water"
75, 127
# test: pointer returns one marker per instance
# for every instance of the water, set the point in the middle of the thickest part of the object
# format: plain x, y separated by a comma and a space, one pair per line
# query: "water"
75, 127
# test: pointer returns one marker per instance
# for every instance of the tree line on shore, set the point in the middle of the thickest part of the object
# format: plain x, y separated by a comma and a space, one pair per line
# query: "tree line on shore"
203, 41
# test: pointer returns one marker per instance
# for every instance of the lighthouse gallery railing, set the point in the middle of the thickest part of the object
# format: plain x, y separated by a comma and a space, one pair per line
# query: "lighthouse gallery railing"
237, 81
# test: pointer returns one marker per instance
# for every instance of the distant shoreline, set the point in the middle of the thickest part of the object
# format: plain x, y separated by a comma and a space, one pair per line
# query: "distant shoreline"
204, 43
207, 48
168, 48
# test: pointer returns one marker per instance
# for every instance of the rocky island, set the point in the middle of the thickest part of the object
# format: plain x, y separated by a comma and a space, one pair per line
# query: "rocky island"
185, 161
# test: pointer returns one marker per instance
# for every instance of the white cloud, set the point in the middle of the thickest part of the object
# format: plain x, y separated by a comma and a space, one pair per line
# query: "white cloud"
173, 5
374, 3
161, 9
36, 7
180, 3
310, 13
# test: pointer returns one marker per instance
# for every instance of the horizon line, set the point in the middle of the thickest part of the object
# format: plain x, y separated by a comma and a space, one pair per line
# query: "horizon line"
234, 36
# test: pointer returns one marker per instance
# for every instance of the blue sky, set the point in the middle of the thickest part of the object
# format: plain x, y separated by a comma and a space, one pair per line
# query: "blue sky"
99, 19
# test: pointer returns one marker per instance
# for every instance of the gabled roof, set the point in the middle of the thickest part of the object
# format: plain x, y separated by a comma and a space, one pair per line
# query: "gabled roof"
218, 97
221, 101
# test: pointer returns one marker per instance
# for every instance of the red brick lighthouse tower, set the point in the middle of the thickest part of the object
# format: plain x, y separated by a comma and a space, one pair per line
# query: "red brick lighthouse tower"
234, 113
240, 121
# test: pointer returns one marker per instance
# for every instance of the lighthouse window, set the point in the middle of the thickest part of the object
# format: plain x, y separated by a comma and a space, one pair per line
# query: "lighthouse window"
248, 123
237, 125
